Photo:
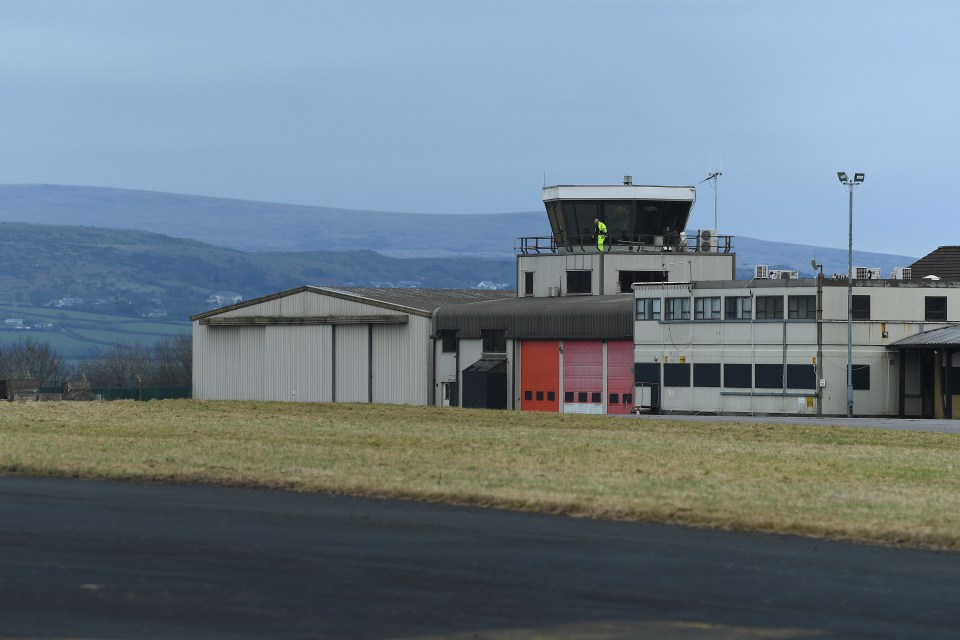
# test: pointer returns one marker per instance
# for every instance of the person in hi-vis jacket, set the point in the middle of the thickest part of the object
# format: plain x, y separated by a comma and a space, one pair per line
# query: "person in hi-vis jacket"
600, 233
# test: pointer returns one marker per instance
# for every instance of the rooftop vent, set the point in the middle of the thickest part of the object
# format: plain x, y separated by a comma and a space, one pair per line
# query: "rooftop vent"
628, 180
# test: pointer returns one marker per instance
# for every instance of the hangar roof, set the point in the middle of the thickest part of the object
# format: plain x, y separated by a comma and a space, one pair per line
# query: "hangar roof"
422, 302
564, 317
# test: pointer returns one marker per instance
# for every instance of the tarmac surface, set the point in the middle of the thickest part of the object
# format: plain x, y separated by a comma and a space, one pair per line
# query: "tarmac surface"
93, 559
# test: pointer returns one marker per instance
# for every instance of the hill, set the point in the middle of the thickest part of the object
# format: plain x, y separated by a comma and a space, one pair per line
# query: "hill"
141, 273
265, 226
271, 227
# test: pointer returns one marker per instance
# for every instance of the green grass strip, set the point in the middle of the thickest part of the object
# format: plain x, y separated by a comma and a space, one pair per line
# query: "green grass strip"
880, 486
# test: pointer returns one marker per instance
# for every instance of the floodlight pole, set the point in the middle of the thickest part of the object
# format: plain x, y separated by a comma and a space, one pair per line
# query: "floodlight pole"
850, 184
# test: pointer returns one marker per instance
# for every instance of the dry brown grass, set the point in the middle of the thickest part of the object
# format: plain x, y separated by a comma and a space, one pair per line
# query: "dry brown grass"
862, 484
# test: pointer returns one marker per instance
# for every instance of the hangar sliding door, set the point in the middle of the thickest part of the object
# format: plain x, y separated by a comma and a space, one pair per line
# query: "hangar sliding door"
540, 375
583, 376
619, 376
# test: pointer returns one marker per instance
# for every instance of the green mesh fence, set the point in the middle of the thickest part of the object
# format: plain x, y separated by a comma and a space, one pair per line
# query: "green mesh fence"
134, 393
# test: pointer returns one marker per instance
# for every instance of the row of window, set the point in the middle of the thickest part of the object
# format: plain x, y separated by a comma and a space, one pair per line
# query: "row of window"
740, 376
578, 396
767, 308
733, 308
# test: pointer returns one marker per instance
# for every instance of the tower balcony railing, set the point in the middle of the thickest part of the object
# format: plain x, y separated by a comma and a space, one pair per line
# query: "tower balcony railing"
677, 243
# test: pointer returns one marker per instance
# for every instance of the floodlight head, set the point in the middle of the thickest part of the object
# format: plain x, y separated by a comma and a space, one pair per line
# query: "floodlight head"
842, 176
813, 263
858, 177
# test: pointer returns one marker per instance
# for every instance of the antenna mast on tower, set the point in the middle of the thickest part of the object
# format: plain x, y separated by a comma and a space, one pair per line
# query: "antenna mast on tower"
713, 176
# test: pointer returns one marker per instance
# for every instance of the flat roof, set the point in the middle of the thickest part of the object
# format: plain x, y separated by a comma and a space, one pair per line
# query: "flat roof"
618, 192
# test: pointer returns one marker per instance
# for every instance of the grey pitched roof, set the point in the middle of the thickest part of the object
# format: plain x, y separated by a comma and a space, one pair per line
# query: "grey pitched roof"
426, 300
422, 302
564, 317
943, 263
937, 338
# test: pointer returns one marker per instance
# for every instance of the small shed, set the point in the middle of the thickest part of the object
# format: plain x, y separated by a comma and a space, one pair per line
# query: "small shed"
20, 390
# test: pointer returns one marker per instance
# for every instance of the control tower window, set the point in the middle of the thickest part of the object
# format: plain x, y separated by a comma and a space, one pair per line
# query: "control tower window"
616, 215
580, 217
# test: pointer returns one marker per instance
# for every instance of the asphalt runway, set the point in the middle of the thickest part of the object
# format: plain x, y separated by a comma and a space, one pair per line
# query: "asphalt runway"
90, 559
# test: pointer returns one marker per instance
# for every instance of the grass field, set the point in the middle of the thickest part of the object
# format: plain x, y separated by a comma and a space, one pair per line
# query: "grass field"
77, 335
887, 487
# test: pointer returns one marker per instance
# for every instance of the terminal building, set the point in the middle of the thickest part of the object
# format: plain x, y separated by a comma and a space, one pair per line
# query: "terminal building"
653, 319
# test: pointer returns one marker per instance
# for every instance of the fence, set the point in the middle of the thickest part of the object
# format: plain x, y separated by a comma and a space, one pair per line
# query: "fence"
129, 393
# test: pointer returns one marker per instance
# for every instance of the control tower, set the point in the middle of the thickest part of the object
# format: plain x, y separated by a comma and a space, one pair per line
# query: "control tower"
646, 242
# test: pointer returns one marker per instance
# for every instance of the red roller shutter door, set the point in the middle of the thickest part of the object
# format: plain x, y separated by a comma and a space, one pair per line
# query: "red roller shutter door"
540, 375
583, 375
619, 376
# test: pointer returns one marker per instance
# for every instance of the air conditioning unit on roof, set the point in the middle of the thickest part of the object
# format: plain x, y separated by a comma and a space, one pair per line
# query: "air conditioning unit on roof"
901, 273
761, 272
866, 273
707, 240
783, 274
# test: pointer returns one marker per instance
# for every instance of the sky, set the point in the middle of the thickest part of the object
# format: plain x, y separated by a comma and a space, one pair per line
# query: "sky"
471, 106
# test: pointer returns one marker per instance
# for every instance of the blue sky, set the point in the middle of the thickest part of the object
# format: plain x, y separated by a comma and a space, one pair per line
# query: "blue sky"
469, 106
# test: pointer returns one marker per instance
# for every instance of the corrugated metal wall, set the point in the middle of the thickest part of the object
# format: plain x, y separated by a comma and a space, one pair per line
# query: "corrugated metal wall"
401, 362
296, 362
352, 354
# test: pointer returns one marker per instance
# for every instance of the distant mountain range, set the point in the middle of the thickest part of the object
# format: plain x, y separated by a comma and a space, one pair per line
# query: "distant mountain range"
271, 227
141, 246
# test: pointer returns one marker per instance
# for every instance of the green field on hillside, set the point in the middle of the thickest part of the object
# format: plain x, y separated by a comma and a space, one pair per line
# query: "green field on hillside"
77, 335
873, 485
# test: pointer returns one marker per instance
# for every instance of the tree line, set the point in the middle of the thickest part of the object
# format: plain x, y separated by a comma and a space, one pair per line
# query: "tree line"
167, 363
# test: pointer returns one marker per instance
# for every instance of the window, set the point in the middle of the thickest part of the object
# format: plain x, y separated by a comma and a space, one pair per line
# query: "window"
614, 398
627, 278
627, 398
739, 308
737, 376
706, 308
861, 307
769, 307
801, 376
596, 397
528, 395
579, 282
494, 340
646, 372
860, 376
568, 396
528, 283
676, 375
706, 374
648, 308
678, 308
539, 396
769, 376
551, 396
448, 340
802, 307
935, 308
581, 396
